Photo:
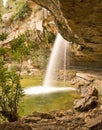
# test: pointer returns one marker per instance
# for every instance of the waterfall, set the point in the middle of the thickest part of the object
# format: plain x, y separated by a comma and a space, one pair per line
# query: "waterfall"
57, 61
4, 2
65, 61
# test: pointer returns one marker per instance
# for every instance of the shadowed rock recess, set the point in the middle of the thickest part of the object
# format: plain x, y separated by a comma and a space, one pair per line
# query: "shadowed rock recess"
79, 21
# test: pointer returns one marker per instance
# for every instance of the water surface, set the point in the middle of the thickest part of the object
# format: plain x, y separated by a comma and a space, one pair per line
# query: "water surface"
48, 102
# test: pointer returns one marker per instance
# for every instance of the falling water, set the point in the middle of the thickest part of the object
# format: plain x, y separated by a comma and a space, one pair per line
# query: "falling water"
56, 63
4, 2
65, 61
56, 60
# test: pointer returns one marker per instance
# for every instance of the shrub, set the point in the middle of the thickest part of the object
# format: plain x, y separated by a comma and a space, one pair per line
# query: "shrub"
24, 12
3, 36
10, 93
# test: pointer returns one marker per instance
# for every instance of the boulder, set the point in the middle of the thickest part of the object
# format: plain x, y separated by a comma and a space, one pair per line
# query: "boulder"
6, 18
88, 91
89, 99
86, 103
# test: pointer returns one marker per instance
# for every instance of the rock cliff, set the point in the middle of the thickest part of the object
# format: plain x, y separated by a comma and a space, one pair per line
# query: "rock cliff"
79, 21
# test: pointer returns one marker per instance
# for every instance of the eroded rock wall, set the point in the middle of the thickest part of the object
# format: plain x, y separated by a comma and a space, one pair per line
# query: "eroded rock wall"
79, 21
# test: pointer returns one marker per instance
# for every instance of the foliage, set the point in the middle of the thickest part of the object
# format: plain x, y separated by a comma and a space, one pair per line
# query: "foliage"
50, 37
2, 51
40, 58
10, 93
19, 48
3, 36
24, 47
10, 88
24, 12
39, 48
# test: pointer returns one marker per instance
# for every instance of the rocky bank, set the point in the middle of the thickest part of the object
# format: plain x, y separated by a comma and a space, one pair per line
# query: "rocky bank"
63, 120
86, 113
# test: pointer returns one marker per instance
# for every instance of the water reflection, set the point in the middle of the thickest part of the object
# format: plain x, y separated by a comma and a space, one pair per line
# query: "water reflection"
49, 102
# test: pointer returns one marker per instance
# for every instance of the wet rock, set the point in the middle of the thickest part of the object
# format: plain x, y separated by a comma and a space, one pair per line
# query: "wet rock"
88, 91
85, 103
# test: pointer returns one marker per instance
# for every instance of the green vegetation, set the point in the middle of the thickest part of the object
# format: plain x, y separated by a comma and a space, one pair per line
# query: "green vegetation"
40, 58
10, 93
24, 12
33, 45
10, 88
3, 36
49, 37
27, 81
24, 47
19, 48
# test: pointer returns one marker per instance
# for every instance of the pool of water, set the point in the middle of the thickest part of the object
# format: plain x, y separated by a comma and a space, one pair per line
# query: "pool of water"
48, 102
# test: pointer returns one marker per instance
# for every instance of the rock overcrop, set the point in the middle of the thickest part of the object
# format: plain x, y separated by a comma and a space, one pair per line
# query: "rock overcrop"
89, 99
59, 120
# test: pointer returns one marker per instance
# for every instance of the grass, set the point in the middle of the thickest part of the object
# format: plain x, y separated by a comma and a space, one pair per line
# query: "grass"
27, 81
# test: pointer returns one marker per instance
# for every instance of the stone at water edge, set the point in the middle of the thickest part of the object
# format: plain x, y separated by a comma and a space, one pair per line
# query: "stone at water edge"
88, 91
86, 103
89, 99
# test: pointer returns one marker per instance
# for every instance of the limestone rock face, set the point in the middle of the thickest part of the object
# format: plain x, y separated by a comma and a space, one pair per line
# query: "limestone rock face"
85, 104
88, 99
79, 21
6, 18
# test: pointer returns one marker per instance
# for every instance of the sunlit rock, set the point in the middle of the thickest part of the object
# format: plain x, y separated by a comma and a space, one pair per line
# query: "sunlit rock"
89, 99
80, 22
6, 18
